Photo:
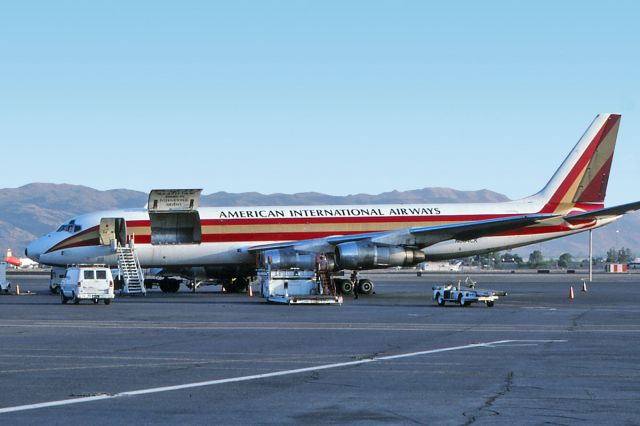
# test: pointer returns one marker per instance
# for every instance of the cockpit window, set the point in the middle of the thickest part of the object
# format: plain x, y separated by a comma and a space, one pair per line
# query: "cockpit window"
70, 227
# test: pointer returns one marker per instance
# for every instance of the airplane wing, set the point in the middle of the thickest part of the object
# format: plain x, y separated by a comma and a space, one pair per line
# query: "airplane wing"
418, 237
472, 230
604, 213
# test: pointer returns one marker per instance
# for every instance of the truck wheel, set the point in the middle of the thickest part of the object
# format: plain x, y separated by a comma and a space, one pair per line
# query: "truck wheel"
461, 300
75, 298
96, 301
63, 299
365, 286
490, 303
440, 300
107, 301
54, 290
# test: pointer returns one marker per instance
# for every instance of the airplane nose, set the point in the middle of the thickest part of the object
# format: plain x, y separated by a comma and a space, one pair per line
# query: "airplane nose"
32, 251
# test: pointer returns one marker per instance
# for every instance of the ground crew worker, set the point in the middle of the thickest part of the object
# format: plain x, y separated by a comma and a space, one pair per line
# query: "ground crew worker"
354, 280
325, 277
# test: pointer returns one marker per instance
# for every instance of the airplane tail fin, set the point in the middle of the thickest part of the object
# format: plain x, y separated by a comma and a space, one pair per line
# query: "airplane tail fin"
9, 258
581, 181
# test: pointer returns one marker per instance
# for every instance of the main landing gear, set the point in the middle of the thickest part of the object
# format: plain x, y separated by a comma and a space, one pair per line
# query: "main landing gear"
345, 286
169, 285
235, 284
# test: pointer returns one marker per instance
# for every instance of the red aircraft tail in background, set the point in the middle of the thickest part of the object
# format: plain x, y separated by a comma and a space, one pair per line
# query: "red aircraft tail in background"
10, 258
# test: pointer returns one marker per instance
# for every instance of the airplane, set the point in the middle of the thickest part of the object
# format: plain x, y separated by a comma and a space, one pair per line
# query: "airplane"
19, 262
229, 243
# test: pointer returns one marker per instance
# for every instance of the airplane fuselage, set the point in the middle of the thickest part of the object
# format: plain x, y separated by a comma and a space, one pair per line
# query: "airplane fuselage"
227, 233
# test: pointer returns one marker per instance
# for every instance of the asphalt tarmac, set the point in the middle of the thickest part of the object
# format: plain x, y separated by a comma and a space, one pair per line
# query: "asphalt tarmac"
536, 357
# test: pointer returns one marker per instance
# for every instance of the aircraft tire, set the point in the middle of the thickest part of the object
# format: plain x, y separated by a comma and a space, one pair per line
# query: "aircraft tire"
169, 285
235, 285
365, 286
345, 287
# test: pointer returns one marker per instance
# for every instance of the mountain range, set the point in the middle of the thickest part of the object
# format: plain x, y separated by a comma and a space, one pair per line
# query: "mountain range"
35, 209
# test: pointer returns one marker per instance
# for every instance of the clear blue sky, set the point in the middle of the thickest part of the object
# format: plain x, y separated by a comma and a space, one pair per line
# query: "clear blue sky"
332, 96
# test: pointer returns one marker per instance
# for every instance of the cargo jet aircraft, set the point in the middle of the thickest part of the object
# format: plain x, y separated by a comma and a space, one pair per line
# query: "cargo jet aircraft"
228, 244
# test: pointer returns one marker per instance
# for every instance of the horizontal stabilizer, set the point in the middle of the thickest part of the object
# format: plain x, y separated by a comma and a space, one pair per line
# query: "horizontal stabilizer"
605, 213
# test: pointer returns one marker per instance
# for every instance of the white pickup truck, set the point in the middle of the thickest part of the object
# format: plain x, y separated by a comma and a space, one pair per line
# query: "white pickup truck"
463, 296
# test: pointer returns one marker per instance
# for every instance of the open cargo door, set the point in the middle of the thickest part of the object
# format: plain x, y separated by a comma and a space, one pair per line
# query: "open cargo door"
174, 216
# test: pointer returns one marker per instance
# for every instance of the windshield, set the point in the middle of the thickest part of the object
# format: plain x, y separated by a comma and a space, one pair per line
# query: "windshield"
70, 227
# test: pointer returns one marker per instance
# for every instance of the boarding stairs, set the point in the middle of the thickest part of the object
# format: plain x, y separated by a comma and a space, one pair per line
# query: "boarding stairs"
129, 270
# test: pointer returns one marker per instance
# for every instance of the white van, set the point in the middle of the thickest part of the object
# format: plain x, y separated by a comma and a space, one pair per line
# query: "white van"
87, 282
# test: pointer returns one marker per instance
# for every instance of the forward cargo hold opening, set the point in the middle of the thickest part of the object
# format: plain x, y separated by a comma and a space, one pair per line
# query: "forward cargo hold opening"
175, 228
174, 216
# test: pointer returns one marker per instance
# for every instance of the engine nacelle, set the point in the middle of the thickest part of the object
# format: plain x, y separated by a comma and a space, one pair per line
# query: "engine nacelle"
288, 258
366, 255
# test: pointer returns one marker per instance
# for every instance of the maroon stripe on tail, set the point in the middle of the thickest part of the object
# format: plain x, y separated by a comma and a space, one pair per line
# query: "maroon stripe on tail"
597, 189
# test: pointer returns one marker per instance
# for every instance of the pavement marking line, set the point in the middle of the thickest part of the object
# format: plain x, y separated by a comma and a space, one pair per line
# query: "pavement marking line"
430, 327
260, 376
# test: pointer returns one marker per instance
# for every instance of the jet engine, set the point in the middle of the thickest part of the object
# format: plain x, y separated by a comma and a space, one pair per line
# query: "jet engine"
288, 258
367, 255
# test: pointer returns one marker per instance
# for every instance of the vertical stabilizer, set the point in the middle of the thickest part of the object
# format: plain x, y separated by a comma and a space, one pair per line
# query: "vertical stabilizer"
581, 181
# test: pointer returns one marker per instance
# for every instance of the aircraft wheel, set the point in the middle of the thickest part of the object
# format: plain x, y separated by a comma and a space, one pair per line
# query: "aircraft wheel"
365, 286
235, 285
169, 285
345, 287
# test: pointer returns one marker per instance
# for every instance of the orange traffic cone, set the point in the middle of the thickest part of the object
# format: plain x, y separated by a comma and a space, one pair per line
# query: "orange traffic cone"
249, 291
584, 286
571, 296
17, 290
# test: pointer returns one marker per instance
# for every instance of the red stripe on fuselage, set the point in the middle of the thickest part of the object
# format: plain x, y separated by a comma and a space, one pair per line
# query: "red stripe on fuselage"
63, 244
305, 235
335, 220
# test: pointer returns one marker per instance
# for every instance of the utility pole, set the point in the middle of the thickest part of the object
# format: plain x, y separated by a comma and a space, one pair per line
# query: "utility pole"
590, 255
